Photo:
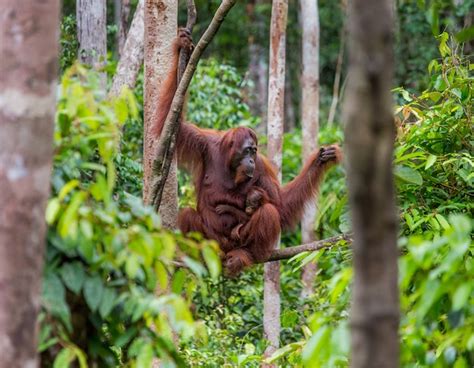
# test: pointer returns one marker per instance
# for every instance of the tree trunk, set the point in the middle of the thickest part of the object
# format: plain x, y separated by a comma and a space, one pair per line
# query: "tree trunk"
290, 116
370, 133
132, 56
121, 13
309, 117
160, 32
276, 111
258, 67
28, 71
91, 18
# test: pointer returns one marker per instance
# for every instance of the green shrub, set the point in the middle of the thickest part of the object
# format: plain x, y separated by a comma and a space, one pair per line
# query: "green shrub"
106, 254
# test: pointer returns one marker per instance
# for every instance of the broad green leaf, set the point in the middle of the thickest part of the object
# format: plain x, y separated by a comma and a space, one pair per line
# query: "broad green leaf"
430, 161
408, 174
461, 295
52, 210
465, 35
93, 291
212, 260
54, 298
315, 345
73, 275
64, 358
145, 356
178, 281
108, 301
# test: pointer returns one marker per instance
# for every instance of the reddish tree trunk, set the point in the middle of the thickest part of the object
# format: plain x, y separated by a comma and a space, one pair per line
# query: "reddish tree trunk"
28, 71
160, 32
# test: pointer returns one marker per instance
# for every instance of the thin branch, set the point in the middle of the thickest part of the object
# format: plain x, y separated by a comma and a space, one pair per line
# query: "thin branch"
166, 144
286, 253
184, 54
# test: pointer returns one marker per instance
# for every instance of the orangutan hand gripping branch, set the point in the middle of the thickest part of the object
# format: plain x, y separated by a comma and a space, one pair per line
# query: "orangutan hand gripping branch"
240, 202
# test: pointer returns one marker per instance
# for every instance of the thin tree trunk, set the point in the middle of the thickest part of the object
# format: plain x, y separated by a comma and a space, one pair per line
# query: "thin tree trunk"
309, 17
121, 14
290, 116
370, 134
337, 78
276, 113
258, 67
132, 56
28, 71
160, 32
91, 18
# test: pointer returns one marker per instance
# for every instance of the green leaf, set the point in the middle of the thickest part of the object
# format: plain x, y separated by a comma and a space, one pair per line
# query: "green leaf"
64, 358
73, 275
213, 262
53, 298
54, 205
93, 291
465, 35
408, 174
461, 296
178, 281
430, 161
67, 188
315, 345
108, 301
145, 356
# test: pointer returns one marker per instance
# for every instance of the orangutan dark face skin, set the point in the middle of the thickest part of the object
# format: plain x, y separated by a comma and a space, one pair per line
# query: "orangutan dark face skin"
243, 162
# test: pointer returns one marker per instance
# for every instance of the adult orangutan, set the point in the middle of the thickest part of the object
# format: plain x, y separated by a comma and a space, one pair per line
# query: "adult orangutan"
226, 169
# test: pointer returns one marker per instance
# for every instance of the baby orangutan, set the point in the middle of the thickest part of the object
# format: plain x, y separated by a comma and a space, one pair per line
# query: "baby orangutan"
256, 198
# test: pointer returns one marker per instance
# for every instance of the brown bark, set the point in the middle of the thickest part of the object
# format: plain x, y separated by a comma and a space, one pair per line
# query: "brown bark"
28, 71
309, 18
276, 111
167, 141
370, 133
91, 18
160, 32
131, 58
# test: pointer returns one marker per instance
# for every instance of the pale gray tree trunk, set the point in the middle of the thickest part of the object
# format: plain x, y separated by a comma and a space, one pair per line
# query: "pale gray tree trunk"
258, 68
131, 58
276, 113
370, 134
309, 18
290, 115
91, 18
28, 71
121, 13
160, 32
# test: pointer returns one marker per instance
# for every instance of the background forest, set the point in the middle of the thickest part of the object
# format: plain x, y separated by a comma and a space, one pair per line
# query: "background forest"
107, 254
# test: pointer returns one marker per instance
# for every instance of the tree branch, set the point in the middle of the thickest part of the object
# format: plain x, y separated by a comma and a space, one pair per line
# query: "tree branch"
167, 140
184, 54
286, 253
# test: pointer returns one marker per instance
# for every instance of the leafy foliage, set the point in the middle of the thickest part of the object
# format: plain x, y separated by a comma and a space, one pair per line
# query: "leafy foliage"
215, 98
434, 166
106, 254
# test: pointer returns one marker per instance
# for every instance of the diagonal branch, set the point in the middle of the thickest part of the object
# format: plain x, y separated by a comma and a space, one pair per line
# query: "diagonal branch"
167, 140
